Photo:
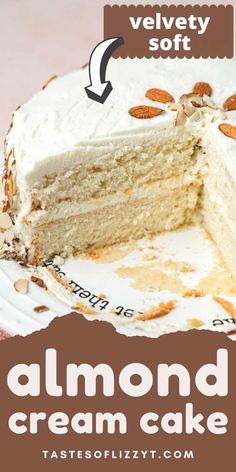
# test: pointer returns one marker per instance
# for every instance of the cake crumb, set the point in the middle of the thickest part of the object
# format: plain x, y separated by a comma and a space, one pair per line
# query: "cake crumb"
226, 305
195, 323
157, 312
58, 260
102, 295
151, 279
84, 309
109, 254
192, 293
149, 257
178, 266
61, 280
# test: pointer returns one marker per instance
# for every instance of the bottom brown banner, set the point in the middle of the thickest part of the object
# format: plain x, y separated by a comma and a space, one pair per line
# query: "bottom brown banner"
80, 396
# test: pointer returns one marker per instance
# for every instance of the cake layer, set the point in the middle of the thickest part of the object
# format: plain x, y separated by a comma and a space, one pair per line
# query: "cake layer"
133, 165
219, 228
219, 186
111, 224
61, 126
71, 207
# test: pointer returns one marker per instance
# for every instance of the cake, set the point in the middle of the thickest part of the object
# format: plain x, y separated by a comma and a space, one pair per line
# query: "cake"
159, 153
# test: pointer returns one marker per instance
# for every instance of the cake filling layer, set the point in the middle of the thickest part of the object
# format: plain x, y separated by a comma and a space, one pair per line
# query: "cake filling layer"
111, 224
132, 166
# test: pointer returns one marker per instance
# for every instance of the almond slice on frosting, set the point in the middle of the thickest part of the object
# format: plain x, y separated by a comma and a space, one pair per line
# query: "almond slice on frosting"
181, 116
5, 221
144, 111
159, 95
202, 88
230, 103
228, 130
53, 77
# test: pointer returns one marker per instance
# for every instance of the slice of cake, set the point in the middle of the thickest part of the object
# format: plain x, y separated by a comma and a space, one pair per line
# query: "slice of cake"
154, 156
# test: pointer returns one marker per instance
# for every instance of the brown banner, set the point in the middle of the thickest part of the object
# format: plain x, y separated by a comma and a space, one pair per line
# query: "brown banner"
135, 362
171, 31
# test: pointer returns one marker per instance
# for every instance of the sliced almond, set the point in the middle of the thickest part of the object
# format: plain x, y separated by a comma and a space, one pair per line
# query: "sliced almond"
48, 81
230, 103
9, 235
228, 130
5, 221
189, 102
21, 285
12, 186
208, 102
196, 104
218, 115
203, 88
159, 95
144, 111
189, 95
6, 206
2, 241
181, 117
58, 260
38, 282
41, 309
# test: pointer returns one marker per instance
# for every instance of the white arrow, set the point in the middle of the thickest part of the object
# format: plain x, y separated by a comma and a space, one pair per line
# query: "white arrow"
99, 88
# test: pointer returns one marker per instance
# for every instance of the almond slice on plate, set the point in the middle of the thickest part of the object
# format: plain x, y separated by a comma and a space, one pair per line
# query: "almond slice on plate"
41, 309
21, 285
202, 88
144, 111
159, 95
58, 260
230, 103
228, 130
38, 282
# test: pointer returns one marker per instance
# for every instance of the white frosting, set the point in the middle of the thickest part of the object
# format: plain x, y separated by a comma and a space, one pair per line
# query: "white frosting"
60, 126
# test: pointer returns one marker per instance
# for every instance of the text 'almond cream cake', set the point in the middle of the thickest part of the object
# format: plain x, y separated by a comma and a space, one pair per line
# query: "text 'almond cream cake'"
158, 153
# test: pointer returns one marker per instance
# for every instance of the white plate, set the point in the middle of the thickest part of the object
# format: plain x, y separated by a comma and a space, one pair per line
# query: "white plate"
120, 283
